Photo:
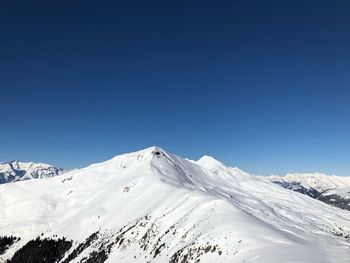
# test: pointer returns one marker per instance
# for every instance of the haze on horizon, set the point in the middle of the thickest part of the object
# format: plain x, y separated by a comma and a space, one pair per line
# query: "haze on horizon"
263, 86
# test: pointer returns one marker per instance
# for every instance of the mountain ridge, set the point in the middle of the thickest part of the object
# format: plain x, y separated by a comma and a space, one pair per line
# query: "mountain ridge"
15, 170
154, 206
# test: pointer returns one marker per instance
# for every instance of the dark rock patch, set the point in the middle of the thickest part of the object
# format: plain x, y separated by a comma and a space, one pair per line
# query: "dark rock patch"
6, 242
297, 187
192, 253
41, 250
81, 247
336, 200
97, 257
158, 250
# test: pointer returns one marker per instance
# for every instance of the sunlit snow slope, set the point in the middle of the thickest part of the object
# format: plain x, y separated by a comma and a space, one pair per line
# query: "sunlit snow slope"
153, 206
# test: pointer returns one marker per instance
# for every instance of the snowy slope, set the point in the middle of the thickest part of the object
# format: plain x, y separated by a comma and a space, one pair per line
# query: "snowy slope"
153, 206
18, 171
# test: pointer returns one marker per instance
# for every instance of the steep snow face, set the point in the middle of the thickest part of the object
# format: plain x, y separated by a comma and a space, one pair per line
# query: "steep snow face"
153, 206
18, 171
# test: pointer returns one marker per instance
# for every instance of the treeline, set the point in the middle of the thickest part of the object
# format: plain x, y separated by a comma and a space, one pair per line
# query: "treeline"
41, 250
6, 242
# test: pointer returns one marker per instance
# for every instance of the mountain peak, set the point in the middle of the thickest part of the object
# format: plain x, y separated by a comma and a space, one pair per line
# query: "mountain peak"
152, 150
165, 208
209, 161
155, 150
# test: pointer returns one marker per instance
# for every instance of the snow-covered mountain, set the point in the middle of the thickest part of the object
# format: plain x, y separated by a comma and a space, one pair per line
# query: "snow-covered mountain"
153, 206
337, 197
331, 189
318, 181
18, 171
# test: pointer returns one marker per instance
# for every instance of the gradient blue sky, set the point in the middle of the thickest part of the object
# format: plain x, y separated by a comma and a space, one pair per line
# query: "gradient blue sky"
262, 85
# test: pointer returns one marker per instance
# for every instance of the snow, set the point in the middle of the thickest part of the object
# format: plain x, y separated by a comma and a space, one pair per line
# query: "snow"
318, 181
341, 192
19, 171
220, 169
326, 185
181, 203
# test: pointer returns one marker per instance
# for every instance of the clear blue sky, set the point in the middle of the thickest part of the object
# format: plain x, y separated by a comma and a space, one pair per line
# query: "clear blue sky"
262, 85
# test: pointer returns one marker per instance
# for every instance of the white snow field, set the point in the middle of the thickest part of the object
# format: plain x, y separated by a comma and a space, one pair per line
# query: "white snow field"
153, 206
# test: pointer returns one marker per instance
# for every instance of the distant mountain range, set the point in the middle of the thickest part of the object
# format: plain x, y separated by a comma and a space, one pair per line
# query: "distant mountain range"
154, 206
331, 189
19, 171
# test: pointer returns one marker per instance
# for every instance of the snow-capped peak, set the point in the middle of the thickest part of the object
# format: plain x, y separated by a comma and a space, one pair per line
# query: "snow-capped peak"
154, 206
217, 167
132, 159
209, 162
18, 171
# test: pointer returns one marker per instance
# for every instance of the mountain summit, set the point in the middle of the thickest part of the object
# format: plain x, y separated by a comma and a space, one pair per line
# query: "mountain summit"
154, 206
